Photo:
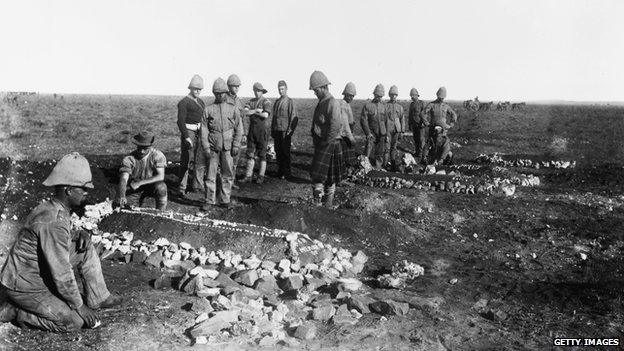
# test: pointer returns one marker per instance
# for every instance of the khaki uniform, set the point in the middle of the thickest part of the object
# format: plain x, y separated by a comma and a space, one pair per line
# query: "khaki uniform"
145, 168
374, 122
437, 113
38, 274
419, 126
221, 131
396, 126
236, 101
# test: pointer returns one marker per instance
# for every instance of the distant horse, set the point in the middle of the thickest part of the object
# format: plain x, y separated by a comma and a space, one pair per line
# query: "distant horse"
485, 106
518, 105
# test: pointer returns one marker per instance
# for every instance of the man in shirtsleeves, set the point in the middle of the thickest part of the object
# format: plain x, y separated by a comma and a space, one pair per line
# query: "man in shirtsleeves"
258, 109
283, 126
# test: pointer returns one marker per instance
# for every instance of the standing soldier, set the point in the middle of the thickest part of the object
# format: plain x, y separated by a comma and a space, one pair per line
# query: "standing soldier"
396, 126
283, 126
374, 120
258, 109
327, 163
234, 83
437, 113
38, 274
221, 133
190, 111
346, 131
143, 173
418, 124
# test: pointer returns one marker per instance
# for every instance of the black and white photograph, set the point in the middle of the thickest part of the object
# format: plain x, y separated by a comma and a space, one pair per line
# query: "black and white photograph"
311, 175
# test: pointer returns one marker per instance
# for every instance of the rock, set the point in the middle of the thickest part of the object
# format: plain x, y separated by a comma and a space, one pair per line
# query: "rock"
306, 331
201, 340
241, 328
293, 282
238, 297
139, 257
344, 320
267, 286
211, 283
349, 284
246, 277
155, 259
221, 303
323, 313
268, 265
201, 306
227, 282
164, 281
192, 285
220, 320
250, 293
266, 341
313, 283
284, 265
252, 262
389, 307
208, 292
360, 303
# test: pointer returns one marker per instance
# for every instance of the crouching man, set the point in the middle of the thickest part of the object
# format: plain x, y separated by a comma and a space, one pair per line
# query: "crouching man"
440, 148
38, 275
221, 132
143, 174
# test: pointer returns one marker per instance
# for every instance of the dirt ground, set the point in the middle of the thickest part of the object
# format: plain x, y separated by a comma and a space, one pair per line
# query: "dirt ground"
518, 260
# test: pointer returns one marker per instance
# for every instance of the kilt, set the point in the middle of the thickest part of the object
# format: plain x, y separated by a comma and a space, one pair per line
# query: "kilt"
348, 152
328, 164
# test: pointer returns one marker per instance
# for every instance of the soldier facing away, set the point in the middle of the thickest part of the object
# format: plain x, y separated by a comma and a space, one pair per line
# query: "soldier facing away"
258, 109
374, 121
221, 132
396, 127
38, 275
143, 174
283, 126
190, 111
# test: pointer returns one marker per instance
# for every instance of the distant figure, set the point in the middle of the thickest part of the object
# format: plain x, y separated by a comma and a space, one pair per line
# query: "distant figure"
234, 83
395, 129
418, 124
437, 113
374, 121
190, 112
143, 174
348, 123
283, 126
221, 132
258, 109
327, 163
38, 274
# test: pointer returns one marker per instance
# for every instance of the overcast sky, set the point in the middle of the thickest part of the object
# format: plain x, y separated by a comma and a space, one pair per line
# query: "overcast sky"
519, 50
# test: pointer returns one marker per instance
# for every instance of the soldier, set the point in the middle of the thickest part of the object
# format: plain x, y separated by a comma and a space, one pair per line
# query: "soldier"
418, 124
258, 109
396, 127
346, 131
440, 147
374, 120
283, 126
327, 163
234, 83
190, 111
143, 173
221, 132
38, 274
437, 113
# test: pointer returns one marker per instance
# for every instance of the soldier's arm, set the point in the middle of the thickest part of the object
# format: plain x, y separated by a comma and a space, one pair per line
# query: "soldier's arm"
364, 121
425, 115
266, 109
238, 129
403, 120
334, 120
160, 162
453, 114
293, 119
124, 176
182, 119
55, 241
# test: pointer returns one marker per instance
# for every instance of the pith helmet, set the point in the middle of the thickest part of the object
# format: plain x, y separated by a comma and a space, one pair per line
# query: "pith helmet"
258, 86
379, 90
219, 86
144, 138
349, 89
233, 80
441, 93
73, 170
393, 90
414, 92
318, 79
197, 82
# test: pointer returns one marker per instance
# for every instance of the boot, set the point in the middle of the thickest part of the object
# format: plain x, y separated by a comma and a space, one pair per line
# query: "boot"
328, 198
249, 172
317, 194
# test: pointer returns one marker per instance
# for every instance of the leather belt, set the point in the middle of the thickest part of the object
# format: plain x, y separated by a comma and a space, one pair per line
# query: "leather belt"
193, 127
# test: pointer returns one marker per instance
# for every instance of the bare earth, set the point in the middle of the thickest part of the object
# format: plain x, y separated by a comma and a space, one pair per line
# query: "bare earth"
521, 278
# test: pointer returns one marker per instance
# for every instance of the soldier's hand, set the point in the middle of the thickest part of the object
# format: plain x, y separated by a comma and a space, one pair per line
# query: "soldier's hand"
234, 151
123, 202
134, 185
84, 240
189, 142
88, 315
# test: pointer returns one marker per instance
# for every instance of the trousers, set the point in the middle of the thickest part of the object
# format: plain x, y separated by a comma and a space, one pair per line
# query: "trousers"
188, 168
282, 153
158, 191
219, 160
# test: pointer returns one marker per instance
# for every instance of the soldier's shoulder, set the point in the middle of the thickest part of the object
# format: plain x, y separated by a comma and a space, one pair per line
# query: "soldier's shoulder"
48, 212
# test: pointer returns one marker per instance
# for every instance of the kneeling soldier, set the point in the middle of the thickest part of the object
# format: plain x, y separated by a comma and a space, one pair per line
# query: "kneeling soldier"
143, 174
221, 131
